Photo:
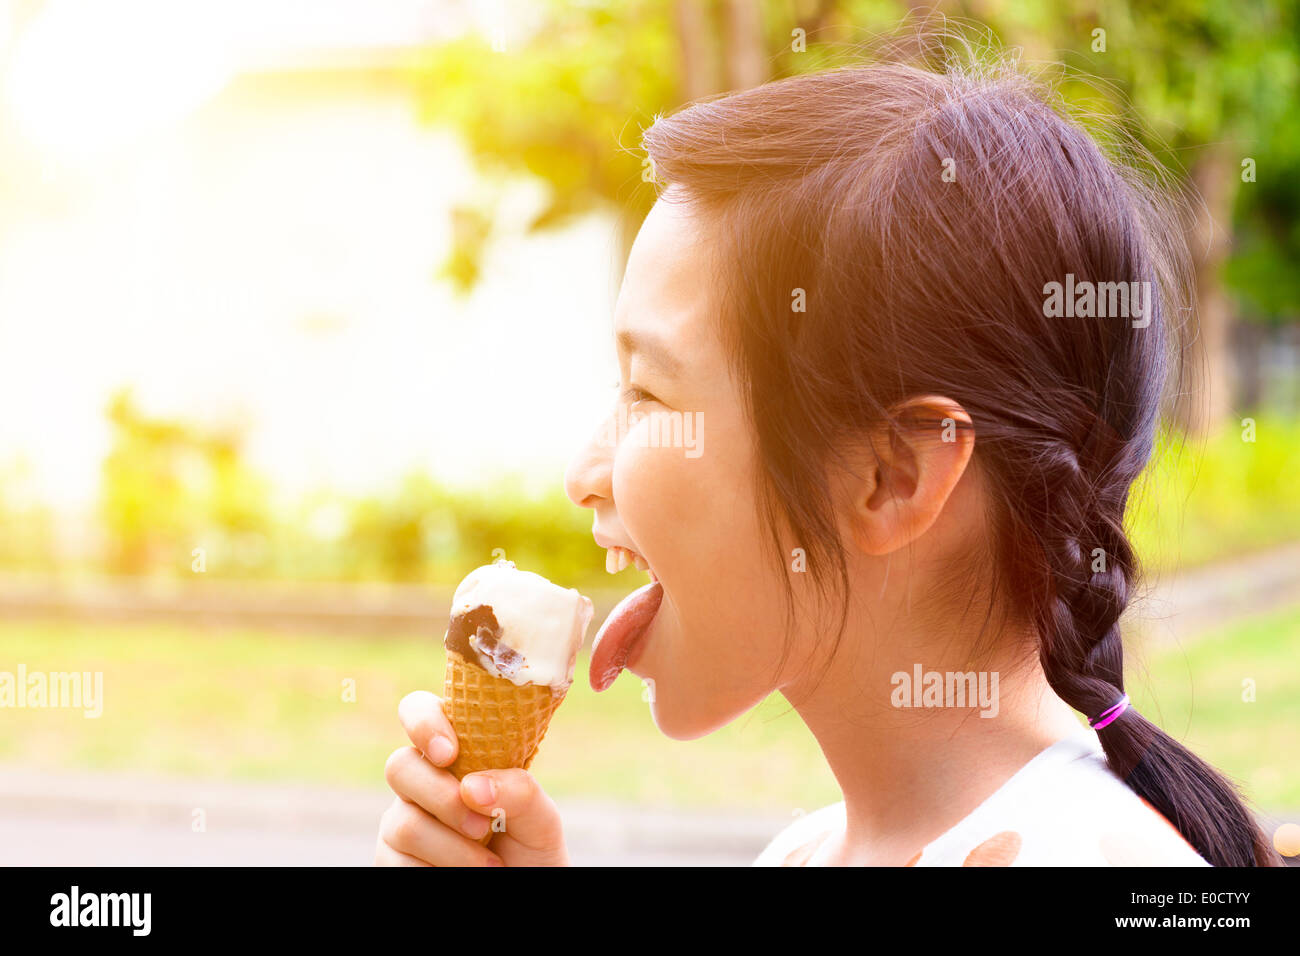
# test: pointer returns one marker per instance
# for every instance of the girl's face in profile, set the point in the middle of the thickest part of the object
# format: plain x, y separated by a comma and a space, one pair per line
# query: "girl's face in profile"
712, 649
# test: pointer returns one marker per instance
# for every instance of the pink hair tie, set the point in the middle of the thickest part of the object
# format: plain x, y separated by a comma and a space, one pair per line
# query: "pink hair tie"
1109, 714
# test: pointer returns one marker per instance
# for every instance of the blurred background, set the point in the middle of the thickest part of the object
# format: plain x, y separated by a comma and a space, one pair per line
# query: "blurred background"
304, 307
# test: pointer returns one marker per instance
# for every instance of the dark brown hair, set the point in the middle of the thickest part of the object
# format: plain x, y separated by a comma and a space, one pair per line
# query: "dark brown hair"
919, 283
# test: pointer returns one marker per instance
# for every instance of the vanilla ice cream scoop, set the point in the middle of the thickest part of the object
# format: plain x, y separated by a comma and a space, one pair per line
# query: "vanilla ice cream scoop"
518, 625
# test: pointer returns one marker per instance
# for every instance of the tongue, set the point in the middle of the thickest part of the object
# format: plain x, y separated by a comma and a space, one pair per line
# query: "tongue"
622, 631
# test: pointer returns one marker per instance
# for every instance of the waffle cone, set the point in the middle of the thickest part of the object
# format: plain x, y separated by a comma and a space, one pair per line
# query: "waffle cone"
498, 724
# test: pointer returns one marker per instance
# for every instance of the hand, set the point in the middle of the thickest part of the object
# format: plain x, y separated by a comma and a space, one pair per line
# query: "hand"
437, 820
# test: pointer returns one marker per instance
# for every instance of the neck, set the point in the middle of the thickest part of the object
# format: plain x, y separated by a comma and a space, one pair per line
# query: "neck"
908, 773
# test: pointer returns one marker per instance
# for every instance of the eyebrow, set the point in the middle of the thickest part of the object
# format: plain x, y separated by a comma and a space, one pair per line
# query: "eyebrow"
652, 349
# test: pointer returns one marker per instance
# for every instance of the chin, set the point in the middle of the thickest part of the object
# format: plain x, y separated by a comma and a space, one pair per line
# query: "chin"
679, 726
679, 719
690, 722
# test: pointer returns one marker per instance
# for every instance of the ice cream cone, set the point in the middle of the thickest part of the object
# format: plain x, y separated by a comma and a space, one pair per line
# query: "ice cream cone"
498, 723
511, 643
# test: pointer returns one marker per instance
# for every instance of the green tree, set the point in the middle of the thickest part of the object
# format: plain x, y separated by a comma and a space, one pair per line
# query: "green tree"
1215, 82
568, 105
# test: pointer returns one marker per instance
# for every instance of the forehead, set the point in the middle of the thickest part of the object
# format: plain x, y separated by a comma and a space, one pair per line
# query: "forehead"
667, 282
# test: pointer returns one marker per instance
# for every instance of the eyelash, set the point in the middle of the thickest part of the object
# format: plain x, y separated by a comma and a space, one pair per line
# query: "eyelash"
635, 393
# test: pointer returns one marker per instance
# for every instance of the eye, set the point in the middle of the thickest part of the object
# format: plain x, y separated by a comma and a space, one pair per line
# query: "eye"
635, 394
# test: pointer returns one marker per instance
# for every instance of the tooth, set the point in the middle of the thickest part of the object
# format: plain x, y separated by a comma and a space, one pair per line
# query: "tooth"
623, 560
640, 562
611, 560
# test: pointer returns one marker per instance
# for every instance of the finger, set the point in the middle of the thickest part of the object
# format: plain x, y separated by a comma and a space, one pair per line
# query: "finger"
523, 808
436, 791
385, 855
519, 854
410, 830
427, 725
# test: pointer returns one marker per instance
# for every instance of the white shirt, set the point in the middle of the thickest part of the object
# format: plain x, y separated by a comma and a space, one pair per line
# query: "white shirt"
1065, 807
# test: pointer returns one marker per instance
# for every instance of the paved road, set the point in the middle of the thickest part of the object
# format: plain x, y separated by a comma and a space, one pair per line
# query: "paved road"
94, 819
97, 819
1181, 607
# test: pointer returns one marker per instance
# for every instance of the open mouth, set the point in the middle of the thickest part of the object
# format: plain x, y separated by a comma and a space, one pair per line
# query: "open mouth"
619, 558
621, 636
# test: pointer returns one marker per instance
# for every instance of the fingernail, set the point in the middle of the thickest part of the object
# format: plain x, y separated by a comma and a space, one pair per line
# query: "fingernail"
496, 861
476, 826
481, 789
440, 750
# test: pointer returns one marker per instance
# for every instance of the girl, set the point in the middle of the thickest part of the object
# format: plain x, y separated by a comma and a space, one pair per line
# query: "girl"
921, 325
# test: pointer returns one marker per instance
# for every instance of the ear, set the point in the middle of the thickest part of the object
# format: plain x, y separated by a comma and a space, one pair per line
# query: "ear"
907, 473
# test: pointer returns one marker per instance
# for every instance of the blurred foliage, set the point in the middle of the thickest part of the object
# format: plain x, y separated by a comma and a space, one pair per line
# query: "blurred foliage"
1204, 500
169, 488
1263, 271
27, 526
568, 105
1207, 78
559, 109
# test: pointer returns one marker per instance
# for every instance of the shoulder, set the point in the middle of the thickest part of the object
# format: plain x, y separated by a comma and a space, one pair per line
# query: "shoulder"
805, 829
1065, 808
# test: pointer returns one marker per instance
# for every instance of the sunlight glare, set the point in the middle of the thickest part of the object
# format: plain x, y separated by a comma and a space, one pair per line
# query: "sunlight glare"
88, 76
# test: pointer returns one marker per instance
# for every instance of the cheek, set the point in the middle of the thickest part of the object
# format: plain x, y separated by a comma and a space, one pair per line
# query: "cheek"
691, 516
720, 633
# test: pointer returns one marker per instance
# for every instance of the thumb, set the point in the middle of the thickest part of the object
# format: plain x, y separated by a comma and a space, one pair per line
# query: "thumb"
517, 805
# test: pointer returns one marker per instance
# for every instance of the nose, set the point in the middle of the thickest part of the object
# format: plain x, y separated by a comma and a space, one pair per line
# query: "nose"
588, 479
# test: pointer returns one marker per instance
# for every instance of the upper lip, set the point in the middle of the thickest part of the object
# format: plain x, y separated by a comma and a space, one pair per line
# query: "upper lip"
607, 542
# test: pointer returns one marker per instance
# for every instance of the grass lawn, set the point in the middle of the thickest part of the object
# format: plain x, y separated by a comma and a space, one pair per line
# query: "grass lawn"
270, 706
1196, 695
